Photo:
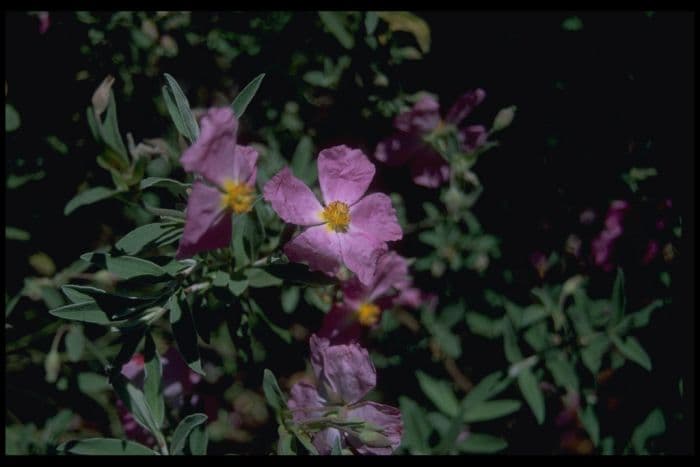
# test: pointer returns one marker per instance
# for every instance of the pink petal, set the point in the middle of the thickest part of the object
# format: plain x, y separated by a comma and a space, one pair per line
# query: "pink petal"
208, 225
360, 253
397, 149
472, 137
422, 118
244, 169
385, 416
324, 440
292, 200
344, 174
304, 396
212, 155
318, 247
340, 326
375, 216
429, 169
345, 372
392, 272
464, 106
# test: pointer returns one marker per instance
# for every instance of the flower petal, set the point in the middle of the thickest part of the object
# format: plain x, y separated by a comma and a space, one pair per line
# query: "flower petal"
317, 246
292, 200
325, 439
385, 416
340, 325
422, 118
345, 372
304, 398
392, 272
375, 216
397, 149
472, 137
244, 169
429, 169
212, 155
344, 174
360, 252
464, 106
208, 225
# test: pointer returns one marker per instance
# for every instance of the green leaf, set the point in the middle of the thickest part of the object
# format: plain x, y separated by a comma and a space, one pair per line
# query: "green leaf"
273, 394
290, 299
237, 287
408, 22
12, 120
136, 240
484, 326
89, 196
592, 353
448, 341
490, 410
152, 385
285, 444
334, 21
174, 112
631, 349
563, 371
510, 343
260, 278
183, 109
530, 388
618, 297
105, 446
184, 333
135, 402
86, 312
488, 387
572, 23
637, 319
13, 233
109, 131
481, 444
183, 430
172, 185
90, 383
199, 439
417, 429
371, 21
240, 241
284, 334
653, 425
439, 392
590, 423
302, 161
125, 267
240, 103
114, 305
75, 343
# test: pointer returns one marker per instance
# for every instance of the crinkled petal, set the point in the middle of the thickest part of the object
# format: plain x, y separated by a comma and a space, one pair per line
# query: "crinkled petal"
422, 118
361, 252
385, 416
340, 325
325, 439
244, 160
207, 226
318, 247
345, 372
212, 155
344, 174
429, 169
464, 106
472, 137
397, 149
375, 216
292, 200
304, 399
392, 272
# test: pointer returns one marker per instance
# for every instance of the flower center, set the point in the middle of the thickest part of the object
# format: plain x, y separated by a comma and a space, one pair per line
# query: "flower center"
237, 196
368, 314
337, 216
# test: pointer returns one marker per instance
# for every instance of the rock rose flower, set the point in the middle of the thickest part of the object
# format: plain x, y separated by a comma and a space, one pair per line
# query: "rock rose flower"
229, 170
407, 145
350, 229
345, 374
362, 305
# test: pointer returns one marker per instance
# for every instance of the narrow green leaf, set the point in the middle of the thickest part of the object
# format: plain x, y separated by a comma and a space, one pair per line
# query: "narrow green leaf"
284, 334
86, 312
439, 392
334, 21
89, 196
110, 131
618, 297
488, 387
530, 388
105, 447
490, 410
173, 185
198, 440
13, 233
183, 108
136, 240
152, 385
183, 430
563, 371
483, 325
590, 423
260, 278
237, 287
273, 394
184, 333
240, 103
417, 429
631, 349
90, 383
135, 402
12, 120
592, 353
75, 343
510, 343
653, 425
477, 443
125, 267
302, 161
290, 299
285, 444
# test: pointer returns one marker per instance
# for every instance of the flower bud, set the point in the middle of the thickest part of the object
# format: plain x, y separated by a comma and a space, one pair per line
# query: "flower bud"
504, 118
52, 366
100, 98
374, 439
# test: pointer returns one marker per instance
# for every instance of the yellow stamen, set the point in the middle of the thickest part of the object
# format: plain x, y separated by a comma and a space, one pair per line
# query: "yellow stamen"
237, 196
368, 314
337, 216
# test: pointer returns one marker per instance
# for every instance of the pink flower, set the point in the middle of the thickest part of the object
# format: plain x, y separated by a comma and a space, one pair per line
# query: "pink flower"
230, 171
603, 246
428, 167
44, 21
345, 374
362, 305
350, 229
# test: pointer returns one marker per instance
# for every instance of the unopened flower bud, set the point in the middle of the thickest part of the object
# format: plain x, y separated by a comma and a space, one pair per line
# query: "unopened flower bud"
105, 279
504, 118
52, 366
100, 98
